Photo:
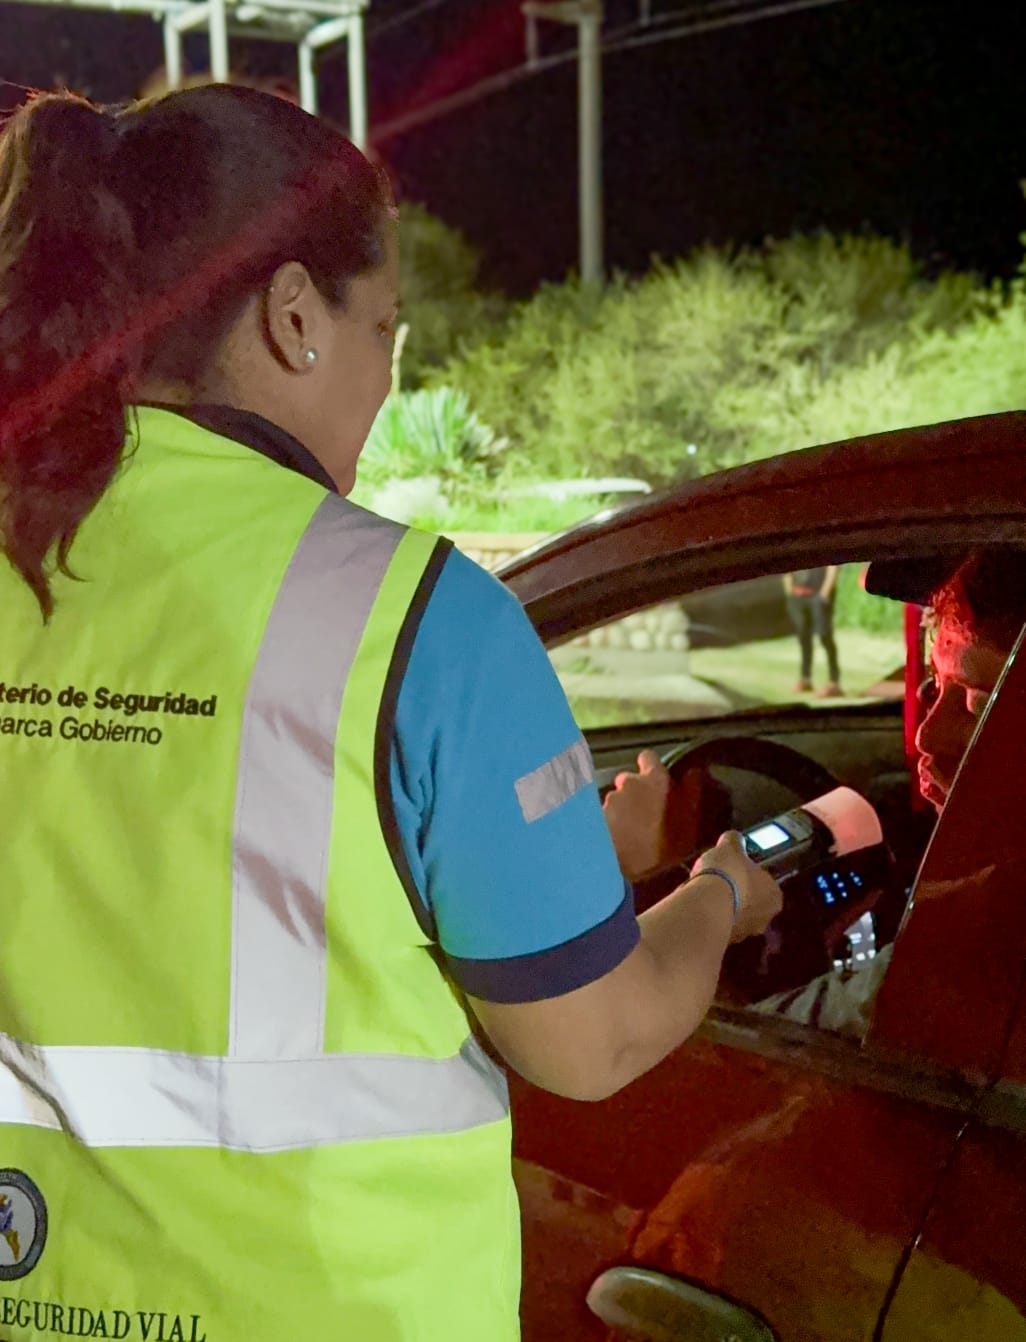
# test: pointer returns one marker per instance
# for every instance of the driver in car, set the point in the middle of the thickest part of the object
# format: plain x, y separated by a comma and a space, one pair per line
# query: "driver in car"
975, 615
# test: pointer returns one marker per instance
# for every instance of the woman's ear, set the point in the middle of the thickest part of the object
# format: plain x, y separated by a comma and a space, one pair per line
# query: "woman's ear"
291, 304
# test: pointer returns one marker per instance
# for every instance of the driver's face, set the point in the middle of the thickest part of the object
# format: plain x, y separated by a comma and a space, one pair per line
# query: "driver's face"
965, 670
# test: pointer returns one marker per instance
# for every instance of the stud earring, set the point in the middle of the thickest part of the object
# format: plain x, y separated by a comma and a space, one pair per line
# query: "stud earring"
310, 357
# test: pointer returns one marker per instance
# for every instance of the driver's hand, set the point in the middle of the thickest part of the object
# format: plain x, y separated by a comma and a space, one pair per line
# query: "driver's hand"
652, 820
635, 810
761, 897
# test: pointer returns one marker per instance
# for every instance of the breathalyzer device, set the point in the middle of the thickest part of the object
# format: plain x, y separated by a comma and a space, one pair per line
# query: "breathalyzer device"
833, 846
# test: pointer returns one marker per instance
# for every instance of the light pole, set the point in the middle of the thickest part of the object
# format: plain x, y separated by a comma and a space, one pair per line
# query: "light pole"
587, 15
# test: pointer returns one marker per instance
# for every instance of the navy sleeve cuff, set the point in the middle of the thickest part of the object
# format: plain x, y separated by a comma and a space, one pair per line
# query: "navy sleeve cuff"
558, 970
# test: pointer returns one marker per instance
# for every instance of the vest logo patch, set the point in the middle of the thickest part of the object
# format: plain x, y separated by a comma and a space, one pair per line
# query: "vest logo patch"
23, 1225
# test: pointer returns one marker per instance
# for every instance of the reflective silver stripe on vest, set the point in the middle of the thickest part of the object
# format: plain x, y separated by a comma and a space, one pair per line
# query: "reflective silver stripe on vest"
149, 1097
286, 781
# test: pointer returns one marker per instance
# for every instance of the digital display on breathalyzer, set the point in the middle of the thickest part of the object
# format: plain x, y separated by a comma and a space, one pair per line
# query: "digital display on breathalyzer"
768, 837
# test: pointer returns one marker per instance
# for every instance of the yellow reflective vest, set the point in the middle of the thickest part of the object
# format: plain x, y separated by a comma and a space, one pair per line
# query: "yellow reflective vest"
239, 1101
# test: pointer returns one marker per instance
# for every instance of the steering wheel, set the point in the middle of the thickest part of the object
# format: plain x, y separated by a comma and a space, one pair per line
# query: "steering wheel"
799, 773
795, 948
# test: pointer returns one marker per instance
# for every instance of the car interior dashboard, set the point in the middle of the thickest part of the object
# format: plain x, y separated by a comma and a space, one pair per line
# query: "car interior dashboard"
759, 766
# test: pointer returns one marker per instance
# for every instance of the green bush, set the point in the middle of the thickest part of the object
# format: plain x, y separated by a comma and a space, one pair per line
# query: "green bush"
430, 433
441, 302
854, 608
723, 357
433, 435
729, 356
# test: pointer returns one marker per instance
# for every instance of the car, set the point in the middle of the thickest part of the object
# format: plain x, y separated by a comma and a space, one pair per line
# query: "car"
771, 1179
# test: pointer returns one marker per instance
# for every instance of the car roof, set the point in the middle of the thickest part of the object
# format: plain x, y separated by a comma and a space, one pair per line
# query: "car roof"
915, 484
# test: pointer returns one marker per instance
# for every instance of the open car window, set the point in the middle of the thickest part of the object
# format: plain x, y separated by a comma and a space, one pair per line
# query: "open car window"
737, 647
726, 664
842, 997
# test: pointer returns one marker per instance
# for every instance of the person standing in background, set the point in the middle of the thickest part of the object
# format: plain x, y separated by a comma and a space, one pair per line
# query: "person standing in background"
810, 604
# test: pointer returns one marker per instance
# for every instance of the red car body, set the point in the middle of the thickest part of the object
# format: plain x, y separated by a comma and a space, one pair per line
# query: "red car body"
769, 1180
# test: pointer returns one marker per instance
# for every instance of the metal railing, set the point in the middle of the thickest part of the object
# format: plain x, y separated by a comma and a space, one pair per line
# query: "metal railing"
312, 26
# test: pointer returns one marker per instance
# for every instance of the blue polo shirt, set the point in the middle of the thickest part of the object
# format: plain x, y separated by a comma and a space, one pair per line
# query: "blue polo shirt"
499, 818
492, 814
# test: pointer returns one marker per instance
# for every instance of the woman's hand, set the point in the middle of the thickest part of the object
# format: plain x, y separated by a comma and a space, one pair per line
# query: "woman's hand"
761, 897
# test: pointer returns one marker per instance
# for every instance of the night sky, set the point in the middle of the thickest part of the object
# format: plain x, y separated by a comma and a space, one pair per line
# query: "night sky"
901, 116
